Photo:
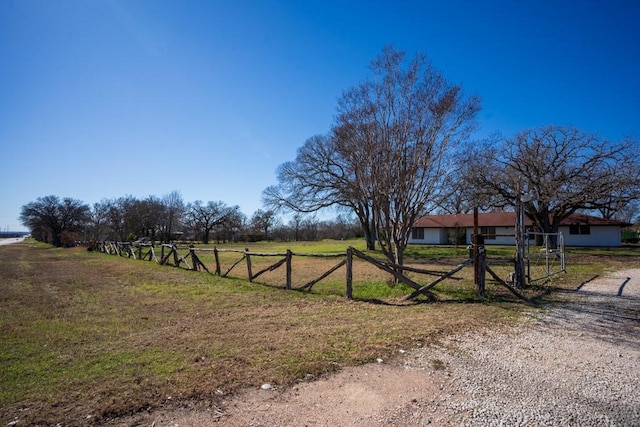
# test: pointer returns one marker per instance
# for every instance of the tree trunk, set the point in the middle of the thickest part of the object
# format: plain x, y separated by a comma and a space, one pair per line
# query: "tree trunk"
369, 233
553, 239
399, 258
542, 219
370, 238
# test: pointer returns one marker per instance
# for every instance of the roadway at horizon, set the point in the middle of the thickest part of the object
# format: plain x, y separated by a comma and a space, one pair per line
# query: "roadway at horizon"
12, 240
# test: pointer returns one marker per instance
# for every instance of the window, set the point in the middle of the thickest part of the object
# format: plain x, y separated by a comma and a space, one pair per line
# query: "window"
489, 233
579, 229
417, 233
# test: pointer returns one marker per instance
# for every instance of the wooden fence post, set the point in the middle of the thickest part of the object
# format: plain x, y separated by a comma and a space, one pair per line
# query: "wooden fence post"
349, 269
475, 243
215, 254
481, 265
195, 261
288, 267
246, 254
176, 259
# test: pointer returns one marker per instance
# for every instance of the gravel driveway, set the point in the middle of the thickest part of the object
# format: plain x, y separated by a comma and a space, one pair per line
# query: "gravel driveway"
576, 364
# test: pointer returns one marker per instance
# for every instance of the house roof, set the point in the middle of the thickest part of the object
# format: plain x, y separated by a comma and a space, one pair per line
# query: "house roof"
582, 219
501, 219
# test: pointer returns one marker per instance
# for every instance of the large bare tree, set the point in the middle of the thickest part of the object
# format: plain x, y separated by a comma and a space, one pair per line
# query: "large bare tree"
398, 130
55, 220
385, 158
560, 169
321, 177
204, 218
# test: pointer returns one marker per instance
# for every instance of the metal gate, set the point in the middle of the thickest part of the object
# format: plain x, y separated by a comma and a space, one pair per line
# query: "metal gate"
546, 259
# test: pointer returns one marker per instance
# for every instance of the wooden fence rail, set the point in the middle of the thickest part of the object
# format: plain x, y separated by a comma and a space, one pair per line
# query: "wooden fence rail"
170, 255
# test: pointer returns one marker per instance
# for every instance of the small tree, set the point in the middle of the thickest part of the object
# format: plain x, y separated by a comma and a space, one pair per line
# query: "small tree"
173, 209
231, 225
263, 221
98, 224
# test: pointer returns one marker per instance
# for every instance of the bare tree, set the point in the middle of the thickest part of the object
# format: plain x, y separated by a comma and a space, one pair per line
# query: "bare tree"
98, 226
620, 210
560, 169
296, 224
455, 197
204, 218
320, 177
385, 159
628, 213
121, 215
54, 220
173, 209
231, 225
130, 218
151, 214
397, 131
264, 220
458, 194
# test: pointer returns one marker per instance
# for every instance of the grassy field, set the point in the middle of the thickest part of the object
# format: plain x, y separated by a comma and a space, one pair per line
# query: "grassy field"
85, 336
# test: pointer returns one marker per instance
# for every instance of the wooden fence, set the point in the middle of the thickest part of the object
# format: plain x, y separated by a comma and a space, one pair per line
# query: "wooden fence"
169, 254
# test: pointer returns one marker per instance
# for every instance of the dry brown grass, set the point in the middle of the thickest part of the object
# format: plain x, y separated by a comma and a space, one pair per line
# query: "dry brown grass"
85, 336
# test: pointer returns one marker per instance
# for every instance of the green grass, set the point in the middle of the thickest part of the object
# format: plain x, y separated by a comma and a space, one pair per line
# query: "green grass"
84, 333
319, 247
626, 251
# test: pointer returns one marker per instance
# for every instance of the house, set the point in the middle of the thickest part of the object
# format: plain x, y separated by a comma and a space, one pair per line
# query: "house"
499, 229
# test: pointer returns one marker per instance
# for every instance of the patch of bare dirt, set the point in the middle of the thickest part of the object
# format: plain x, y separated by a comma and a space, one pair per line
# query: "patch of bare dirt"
369, 395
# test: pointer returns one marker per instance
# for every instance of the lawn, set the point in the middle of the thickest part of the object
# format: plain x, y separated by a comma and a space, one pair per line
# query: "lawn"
86, 336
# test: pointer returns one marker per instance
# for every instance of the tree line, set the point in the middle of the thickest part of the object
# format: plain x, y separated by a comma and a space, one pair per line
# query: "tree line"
63, 221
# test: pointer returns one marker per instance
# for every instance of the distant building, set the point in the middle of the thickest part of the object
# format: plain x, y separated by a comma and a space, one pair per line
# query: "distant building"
499, 229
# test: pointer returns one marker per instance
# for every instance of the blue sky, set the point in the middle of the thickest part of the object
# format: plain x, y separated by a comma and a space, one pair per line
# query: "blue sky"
106, 98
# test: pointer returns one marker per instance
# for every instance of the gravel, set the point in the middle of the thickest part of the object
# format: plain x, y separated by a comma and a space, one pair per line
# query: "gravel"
577, 363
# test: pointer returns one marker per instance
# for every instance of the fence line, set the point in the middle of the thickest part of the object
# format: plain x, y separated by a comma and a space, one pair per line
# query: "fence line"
170, 255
